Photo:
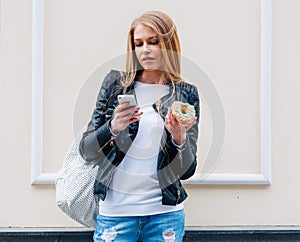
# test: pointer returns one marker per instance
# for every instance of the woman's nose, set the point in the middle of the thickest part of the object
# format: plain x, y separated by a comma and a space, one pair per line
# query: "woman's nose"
146, 47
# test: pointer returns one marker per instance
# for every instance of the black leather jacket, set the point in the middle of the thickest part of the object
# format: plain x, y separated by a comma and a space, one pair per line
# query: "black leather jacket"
100, 147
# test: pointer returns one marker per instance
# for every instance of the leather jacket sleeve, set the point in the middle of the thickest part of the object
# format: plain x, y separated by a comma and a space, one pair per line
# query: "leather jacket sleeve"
98, 134
184, 160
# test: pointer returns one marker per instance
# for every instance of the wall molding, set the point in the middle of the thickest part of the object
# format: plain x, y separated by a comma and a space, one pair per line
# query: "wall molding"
38, 176
278, 233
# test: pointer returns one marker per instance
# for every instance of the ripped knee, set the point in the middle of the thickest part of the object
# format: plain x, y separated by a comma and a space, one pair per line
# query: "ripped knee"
169, 235
109, 235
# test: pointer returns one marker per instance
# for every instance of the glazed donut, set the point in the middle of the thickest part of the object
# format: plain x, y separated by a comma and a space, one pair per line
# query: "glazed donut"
183, 112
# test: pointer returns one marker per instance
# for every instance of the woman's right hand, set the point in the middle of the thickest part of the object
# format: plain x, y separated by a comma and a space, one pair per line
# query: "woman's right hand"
123, 116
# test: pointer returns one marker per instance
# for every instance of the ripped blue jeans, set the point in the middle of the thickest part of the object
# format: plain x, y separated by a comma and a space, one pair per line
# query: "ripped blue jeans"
153, 228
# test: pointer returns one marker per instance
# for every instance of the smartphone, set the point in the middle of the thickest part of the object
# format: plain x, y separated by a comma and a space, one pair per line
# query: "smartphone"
127, 98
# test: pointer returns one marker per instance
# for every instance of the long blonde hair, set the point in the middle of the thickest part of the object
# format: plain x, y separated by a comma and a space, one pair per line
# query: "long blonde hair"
166, 30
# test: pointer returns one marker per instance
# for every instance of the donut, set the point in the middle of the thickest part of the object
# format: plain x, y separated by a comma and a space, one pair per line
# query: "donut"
184, 112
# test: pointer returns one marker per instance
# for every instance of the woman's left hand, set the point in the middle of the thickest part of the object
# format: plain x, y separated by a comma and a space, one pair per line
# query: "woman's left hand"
177, 130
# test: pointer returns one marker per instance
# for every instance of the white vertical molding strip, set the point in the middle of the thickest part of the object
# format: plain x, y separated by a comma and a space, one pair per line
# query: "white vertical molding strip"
37, 89
265, 88
264, 177
37, 175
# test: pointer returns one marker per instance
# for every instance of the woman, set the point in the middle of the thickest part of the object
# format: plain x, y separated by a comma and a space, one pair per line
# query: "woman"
143, 151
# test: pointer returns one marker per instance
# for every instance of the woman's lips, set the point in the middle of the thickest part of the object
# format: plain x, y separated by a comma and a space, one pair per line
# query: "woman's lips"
148, 59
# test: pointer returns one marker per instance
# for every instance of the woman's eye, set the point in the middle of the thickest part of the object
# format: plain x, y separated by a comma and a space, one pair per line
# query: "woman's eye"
154, 42
138, 44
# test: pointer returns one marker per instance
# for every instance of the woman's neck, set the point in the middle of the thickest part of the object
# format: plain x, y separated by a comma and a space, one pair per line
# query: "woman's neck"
150, 77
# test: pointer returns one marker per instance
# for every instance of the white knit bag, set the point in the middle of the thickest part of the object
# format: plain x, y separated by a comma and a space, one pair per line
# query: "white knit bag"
74, 187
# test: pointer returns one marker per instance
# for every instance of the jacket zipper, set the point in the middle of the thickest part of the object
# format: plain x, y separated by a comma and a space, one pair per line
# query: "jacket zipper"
178, 194
180, 157
110, 141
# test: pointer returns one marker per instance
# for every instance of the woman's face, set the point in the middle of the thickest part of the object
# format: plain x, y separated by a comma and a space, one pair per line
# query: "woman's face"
147, 47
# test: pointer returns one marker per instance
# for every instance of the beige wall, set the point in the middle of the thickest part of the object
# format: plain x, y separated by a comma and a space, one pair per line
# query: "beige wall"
221, 36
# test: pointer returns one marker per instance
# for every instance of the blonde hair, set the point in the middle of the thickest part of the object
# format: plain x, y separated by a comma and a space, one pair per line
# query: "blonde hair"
166, 30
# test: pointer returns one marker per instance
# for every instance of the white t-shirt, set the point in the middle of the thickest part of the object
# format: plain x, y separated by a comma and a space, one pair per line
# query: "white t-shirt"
134, 189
